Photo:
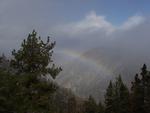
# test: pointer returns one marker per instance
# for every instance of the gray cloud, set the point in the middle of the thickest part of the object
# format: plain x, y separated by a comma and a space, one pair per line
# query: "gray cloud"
19, 17
95, 30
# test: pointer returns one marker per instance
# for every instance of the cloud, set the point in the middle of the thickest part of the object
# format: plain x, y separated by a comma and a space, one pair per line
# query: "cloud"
96, 24
95, 30
132, 22
19, 17
90, 24
122, 48
90, 31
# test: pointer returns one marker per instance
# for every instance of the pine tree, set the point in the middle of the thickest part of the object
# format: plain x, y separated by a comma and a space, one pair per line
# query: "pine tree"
121, 100
90, 105
147, 95
117, 97
5, 102
0, 59
109, 99
4, 62
146, 88
101, 108
141, 91
31, 63
35, 56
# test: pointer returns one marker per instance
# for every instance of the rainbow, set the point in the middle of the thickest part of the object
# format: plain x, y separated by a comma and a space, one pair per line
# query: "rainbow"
89, 61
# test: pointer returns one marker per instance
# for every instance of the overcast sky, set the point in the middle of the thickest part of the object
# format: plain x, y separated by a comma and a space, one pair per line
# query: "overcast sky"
75, 24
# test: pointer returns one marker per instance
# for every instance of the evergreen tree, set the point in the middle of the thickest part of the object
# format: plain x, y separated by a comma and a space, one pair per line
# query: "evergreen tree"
4, 62
109, 99
90, 105
146, 88
35, 56
0, 59
121, 94
100, 108
6, 85
141, 91
117, 97
137, 95
31, 62
147, 95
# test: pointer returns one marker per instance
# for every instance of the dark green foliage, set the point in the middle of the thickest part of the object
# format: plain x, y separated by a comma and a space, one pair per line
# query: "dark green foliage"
117, 97
109, 99
7, 89
64, 101
101, 108
90, 105
0, 59
35, 56
121, 97
147, 94
28, 91
141, 92
25, 93
137, 96
146, 87
4, 63
34, 95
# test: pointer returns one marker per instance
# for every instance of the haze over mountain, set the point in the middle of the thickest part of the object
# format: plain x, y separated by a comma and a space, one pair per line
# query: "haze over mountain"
104, 56
91, 76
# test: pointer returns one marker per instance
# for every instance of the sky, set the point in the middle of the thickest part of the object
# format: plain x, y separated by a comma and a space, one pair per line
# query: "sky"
68, 21
76, 25
106, 34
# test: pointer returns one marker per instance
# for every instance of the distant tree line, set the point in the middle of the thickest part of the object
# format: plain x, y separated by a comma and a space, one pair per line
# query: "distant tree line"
26, 88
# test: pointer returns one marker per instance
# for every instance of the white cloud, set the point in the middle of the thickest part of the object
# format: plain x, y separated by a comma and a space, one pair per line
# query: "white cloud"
91, 23
96, 24
132, 22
